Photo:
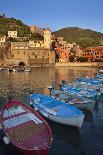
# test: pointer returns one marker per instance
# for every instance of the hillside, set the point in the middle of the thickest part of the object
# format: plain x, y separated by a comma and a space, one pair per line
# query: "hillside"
12, 24
83, 37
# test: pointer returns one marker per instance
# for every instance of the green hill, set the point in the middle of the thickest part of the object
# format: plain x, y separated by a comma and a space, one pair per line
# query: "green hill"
12, 24
83, 37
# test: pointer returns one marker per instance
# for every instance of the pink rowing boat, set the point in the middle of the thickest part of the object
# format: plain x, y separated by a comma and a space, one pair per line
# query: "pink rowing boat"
25, 128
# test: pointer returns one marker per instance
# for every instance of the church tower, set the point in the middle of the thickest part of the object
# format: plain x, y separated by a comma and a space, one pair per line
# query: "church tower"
47, 38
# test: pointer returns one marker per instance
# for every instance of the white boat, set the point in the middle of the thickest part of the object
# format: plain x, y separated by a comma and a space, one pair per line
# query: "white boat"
57, 110
78, 102
101, 71
27, 69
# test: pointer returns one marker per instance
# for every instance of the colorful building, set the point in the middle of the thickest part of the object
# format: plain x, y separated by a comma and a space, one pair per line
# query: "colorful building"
93, 53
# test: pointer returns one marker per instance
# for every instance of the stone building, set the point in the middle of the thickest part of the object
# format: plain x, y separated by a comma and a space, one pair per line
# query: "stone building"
47, 38
33, 56
2, 54
32, 52
36, 43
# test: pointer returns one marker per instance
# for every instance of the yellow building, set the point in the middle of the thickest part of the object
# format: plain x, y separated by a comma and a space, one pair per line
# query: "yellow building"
2, 39
47, 38
34, 43
12, 34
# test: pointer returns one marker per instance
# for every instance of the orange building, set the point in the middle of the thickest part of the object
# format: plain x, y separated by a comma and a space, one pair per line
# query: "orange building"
93, 53
63, 54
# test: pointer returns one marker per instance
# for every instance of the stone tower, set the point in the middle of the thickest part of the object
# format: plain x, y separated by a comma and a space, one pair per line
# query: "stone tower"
47, 38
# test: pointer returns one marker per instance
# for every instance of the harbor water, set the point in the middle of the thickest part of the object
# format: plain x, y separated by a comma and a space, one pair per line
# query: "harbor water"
67, 140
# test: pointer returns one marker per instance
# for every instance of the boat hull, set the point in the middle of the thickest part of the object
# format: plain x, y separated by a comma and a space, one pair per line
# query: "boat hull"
35, 137
78, 102
72, 121
38, 152
60, 112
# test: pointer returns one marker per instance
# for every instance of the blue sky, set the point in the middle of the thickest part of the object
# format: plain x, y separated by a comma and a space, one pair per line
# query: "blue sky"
56, 13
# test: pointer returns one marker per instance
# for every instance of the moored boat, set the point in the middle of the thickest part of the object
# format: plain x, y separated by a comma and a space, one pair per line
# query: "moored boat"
99, 77
57, 110
28, 69
79, 91
101, 71
78, 102
25, 128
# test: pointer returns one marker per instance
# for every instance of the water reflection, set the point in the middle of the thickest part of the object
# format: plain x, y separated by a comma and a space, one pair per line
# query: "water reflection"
18, 84
64, 141
69, 74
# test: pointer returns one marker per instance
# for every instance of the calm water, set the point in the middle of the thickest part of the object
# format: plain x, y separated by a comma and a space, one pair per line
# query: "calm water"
66, 140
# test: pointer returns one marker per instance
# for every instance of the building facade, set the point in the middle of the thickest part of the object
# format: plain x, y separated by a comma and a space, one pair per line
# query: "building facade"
47, 38
33, 56
93, 53
65, 50
36, 43
12, 34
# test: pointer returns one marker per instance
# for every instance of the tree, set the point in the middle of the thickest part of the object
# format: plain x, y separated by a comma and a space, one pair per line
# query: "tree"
71, 58
82, 59
57, 57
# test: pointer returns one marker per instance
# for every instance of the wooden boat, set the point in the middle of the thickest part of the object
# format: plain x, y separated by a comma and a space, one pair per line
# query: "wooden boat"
2, 68
10, 69
25, 128
99, 77
28, 69
57, 110
92, 84
101, 71
78, 102
79, 91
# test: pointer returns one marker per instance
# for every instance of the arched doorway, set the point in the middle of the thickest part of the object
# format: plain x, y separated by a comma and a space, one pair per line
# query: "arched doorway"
21, 64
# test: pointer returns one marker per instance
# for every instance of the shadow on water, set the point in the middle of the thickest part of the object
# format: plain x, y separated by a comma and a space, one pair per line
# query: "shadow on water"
66, 140
92, 130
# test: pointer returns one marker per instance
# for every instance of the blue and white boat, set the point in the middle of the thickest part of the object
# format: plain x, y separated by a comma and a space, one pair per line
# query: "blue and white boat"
78, 102
91, 83
99, 77
57, 110
79, 91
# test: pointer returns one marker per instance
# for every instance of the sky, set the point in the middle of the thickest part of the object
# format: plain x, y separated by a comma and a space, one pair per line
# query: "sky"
56, 14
